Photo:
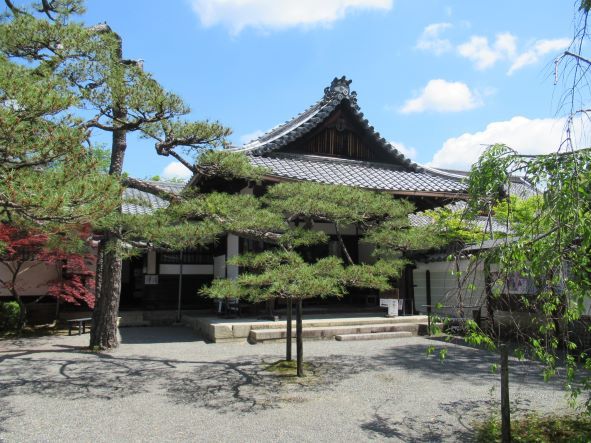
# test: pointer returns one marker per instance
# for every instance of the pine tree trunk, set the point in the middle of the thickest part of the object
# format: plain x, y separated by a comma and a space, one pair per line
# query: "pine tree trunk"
98, 275
299, 339
103, 334
289, 318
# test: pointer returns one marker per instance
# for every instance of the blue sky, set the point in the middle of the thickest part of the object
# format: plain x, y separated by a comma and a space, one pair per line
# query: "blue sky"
439, 79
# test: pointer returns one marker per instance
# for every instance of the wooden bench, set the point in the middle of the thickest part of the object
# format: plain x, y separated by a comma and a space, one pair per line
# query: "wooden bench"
80, 323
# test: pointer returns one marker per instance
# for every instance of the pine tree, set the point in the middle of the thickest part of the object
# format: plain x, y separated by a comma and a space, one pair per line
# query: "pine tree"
87, 67
48, 177
285, 270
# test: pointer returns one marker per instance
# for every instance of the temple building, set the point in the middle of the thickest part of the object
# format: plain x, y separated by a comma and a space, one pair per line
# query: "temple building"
329, 142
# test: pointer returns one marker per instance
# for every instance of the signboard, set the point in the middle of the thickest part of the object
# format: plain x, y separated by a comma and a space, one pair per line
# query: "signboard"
151, 279
391, 304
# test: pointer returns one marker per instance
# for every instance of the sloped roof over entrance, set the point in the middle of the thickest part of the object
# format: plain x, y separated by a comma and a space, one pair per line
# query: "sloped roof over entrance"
280, 151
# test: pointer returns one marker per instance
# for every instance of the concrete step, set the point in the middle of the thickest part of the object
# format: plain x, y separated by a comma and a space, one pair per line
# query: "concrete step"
329, 332
132, 318
353, 321
373, 336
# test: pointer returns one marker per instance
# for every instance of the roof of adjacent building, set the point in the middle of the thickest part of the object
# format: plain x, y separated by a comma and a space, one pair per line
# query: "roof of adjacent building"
517, 186
489, 244
136, 202
481, 222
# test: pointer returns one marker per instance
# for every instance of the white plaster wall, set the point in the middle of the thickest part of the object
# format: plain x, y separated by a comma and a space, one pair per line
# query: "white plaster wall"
233, 250
444, 285
32, 281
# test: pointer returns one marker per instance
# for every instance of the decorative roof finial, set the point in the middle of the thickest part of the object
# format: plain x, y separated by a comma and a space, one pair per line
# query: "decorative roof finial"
339, 90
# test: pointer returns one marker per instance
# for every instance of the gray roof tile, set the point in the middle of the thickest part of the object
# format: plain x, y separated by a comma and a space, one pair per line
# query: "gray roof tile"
367, 175
136, 202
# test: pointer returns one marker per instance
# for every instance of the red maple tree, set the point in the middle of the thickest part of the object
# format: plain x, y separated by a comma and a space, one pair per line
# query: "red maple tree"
21, 250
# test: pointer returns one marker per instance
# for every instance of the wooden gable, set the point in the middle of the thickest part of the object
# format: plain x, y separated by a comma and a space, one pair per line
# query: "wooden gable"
341, 136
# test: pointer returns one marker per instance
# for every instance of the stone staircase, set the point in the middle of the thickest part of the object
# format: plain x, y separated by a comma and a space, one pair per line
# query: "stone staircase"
350, 329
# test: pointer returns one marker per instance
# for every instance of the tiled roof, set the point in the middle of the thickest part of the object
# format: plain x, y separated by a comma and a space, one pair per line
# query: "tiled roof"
518, 186
336, 94
489, 244
136, 202
421, 219
378, 176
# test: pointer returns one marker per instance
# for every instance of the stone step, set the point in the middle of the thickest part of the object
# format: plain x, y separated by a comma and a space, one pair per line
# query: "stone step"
329, 332
132, 318
373, 336
353, 321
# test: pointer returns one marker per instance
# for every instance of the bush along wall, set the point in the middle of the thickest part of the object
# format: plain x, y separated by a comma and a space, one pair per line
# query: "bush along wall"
9, 315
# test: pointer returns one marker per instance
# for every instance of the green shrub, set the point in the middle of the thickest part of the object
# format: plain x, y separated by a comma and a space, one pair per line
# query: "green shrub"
9, 315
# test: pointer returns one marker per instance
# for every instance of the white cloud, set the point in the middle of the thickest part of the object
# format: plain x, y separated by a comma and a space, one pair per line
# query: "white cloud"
245, 138
443, 96
407, 151
484, 56
274, 14
176, 170
430, 39
527, 136
538, 50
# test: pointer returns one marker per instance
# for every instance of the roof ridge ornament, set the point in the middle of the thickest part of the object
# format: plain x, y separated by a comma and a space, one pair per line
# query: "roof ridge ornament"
339, 90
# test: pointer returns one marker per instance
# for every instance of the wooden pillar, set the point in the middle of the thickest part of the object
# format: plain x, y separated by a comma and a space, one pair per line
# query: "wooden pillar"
428, 289
299, 339
288, 337
178, 314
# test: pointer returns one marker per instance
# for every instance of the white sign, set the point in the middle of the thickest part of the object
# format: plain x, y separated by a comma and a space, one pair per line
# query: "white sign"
391, 304
151, 279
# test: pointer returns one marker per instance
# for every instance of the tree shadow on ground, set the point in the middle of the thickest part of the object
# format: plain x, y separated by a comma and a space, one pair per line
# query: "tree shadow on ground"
438, 428
239, 385
472, 365
6, 413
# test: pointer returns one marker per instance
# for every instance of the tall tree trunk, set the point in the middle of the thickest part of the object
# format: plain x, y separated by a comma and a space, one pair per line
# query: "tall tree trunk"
103, 334
299, 339
98, 277
289, 318
104, 317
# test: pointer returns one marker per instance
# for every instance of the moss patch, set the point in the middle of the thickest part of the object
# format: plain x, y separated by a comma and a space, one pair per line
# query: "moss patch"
539, 429
287, 367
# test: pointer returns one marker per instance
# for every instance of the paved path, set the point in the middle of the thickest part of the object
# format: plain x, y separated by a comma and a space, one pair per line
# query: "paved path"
164, 384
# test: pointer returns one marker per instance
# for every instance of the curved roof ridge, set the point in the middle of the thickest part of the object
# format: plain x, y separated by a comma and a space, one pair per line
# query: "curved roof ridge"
338, 92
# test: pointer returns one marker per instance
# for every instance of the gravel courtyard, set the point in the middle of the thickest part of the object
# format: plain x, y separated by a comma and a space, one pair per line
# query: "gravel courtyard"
165, 384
